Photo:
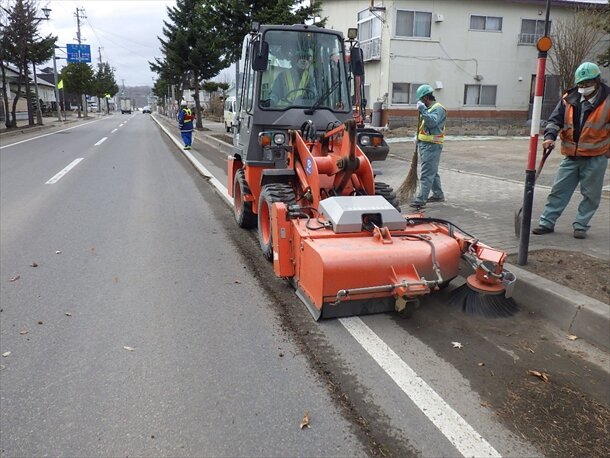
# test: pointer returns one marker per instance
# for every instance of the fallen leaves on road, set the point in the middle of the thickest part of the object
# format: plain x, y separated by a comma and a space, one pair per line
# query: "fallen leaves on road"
68, 314
34, 264
6, 353
572, 337
129, 348
23, 332
541, 375
58, 252
305, 421
481, 364
237, 281
15, 278
457, 345
40, 322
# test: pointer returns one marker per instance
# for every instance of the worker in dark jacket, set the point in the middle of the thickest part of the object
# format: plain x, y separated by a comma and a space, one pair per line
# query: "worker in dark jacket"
582, 120
185, 122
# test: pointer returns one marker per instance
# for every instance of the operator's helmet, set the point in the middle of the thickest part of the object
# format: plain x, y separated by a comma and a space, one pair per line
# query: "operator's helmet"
423, 90
586, 71
184, 103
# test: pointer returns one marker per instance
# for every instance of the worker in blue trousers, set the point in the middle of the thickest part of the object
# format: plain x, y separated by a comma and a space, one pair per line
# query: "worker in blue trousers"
185, 122
430, 136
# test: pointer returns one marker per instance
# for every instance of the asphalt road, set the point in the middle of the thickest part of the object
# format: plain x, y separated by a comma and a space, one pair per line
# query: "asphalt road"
129, 254
222, 359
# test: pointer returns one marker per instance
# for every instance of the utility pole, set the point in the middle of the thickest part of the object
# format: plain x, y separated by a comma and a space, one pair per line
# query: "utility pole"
80, 14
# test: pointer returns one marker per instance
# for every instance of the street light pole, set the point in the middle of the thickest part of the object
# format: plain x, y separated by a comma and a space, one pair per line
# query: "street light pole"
56, 83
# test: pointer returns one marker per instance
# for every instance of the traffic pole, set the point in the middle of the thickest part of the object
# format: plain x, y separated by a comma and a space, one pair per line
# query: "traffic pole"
543, 45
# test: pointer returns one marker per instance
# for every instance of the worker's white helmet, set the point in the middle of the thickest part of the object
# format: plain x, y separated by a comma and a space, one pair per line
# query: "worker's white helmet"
183, 103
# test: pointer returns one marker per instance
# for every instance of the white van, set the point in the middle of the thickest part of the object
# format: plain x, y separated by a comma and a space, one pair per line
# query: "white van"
229, 113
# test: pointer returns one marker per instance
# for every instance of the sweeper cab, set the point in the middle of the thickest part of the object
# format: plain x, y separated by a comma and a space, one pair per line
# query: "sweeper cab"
298, 173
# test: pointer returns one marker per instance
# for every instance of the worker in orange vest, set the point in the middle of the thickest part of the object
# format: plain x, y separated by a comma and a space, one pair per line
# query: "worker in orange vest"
582, 120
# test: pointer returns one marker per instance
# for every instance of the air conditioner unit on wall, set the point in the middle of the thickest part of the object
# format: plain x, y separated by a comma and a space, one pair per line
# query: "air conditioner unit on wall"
438, 17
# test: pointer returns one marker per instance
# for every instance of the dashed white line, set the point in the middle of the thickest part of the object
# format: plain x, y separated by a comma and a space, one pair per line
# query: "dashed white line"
50, 133
113, 131
101, 141
61, 173
461, 435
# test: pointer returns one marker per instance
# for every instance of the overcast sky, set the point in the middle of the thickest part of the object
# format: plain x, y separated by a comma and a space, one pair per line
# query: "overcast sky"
125, 30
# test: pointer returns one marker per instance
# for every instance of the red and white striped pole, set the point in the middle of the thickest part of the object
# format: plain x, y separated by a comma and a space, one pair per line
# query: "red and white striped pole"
543, 45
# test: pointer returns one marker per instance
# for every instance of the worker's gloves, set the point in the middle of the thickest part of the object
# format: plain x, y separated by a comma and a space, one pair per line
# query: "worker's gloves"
421, 105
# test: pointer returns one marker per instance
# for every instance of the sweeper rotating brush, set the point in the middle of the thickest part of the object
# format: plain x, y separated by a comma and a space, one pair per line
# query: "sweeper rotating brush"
484, 295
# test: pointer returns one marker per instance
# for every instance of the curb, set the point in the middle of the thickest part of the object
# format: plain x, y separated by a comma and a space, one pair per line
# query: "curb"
569, 310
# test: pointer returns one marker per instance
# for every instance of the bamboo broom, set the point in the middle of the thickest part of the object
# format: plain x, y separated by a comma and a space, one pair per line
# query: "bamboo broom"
406, 190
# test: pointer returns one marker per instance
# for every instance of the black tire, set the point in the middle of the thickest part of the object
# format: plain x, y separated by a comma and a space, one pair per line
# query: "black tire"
385, 190
242, 210
270, 194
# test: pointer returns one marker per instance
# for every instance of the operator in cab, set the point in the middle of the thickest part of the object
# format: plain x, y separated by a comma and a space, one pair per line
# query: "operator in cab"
296, 82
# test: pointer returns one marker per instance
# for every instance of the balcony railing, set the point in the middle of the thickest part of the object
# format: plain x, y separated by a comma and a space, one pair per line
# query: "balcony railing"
371, 49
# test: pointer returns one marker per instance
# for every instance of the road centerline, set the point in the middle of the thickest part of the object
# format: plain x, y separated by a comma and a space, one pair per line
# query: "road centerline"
101, 141
450, 423
59, 175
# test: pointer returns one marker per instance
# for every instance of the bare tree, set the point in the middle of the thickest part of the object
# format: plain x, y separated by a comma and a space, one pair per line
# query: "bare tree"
575, 40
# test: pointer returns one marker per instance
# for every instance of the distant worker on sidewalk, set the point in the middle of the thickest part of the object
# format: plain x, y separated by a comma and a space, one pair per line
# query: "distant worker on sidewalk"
430, 136
582, 120
185, 122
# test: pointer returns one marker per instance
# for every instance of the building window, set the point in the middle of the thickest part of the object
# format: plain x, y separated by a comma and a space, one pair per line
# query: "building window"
413, 24
479, 95
531, 31
369, 35
404, 93
487, 23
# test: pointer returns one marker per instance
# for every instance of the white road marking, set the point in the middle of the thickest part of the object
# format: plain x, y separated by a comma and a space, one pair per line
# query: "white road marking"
113, 131
448, 421
121, 125
461, 435
60, 174
101, 141
50, 133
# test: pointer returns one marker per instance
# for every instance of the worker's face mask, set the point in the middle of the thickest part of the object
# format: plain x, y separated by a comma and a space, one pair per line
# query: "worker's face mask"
586, 91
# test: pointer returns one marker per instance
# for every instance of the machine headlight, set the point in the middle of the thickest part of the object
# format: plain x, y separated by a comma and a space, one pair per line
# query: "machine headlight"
365, 140
279, 138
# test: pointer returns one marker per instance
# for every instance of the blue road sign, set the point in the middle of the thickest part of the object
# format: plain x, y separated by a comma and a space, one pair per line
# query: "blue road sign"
78, 53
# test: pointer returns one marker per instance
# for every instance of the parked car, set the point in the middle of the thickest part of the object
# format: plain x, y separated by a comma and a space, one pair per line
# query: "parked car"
146, 109
229, 114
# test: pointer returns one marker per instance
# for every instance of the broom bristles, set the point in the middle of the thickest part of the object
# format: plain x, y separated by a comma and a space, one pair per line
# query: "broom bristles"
408, 187
488, 305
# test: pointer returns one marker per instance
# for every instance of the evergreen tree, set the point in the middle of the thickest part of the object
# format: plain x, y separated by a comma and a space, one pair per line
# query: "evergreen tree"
22, 45
104, 83
230, 20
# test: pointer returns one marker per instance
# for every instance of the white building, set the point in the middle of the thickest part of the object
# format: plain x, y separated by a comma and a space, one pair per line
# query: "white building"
479, 55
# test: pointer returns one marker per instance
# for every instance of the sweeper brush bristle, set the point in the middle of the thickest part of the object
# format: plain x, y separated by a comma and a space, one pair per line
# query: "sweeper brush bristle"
488, 305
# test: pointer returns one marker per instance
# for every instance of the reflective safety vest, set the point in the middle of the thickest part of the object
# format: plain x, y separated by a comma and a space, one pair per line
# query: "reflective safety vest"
425, 136
188, 115
292, 86
594, 139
